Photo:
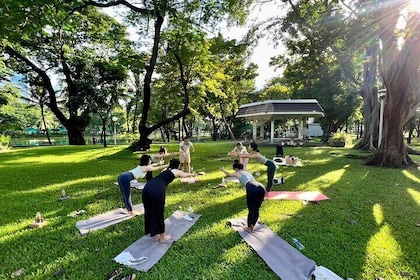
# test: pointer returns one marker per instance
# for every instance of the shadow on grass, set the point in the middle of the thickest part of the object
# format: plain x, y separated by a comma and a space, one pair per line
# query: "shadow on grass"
364, 202
344, 234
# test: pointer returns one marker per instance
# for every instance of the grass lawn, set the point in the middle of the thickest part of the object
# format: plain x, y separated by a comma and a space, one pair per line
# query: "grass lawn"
368, 229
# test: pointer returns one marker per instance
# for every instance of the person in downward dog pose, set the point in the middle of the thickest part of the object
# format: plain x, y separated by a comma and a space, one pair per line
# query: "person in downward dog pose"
154, 195
143, 170
255, 193
255, 154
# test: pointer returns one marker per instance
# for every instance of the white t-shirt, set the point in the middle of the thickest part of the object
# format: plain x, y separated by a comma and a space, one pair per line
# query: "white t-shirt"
186, 147
137, 172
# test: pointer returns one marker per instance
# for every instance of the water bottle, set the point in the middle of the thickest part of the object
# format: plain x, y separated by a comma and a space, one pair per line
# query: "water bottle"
38, 218
298, 244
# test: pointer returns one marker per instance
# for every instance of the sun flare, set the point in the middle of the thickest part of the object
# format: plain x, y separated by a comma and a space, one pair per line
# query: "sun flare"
415, 5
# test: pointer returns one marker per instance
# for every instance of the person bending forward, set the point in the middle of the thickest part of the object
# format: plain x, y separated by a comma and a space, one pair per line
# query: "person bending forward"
255, 193
154, 195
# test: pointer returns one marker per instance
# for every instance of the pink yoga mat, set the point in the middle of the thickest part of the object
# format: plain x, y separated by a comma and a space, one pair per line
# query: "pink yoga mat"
309, 196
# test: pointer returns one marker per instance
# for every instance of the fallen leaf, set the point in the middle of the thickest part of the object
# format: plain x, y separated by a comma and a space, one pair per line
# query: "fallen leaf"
405, 274
18, 272
352, 222
58, 272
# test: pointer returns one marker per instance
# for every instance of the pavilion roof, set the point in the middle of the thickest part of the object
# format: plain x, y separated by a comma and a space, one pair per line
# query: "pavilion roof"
291, 108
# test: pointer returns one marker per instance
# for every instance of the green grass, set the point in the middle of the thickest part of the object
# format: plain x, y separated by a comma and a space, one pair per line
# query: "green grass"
366, 230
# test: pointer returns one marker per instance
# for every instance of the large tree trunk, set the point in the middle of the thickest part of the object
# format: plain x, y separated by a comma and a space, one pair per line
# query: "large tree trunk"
392, 152
75, 125
144, 142
370, 105
75, 135
400, 76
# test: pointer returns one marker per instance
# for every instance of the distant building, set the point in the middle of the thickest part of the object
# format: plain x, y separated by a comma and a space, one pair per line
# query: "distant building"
283, 121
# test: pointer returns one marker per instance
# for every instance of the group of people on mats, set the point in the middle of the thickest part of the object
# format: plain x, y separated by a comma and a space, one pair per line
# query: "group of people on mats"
154, 192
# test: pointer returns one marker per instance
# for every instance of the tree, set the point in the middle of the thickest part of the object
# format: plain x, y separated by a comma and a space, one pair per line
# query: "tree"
275, 89
52, 41
4, 78
179, 14
317, 63
106, 80
228, 83
391, 60
15, 116
400, 74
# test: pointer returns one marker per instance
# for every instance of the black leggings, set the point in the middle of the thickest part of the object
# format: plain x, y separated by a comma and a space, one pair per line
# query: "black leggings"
254, 198
271, 170
124, 182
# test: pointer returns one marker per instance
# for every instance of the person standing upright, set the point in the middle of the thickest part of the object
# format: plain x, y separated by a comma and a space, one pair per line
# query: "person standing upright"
184, 154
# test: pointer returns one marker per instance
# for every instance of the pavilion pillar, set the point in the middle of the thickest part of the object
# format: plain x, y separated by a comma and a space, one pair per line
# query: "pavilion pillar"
300, 131
262, 132
272, 131
254, 131
304, 120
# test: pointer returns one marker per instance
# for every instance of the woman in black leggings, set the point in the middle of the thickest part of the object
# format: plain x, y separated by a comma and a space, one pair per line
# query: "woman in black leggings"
255, 193
154, 195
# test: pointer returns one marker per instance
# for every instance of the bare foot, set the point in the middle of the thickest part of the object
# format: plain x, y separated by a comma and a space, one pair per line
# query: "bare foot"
134, 213
164, 237
247, 229
156, 237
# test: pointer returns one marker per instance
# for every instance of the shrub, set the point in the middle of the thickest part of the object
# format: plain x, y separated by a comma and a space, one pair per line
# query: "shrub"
4, 142
339, 136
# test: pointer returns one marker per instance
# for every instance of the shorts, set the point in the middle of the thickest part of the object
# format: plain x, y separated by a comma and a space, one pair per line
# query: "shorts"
184, 158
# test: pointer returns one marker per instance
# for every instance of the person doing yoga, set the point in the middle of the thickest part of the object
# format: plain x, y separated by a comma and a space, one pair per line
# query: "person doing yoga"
240, 149
255, 193
159, 158
154, 195
143, 170
255, 154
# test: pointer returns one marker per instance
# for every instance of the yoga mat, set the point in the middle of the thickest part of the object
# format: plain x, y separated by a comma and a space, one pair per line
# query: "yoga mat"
105, 220
232, 179
282, 258
309, 196
135, 184
146, 249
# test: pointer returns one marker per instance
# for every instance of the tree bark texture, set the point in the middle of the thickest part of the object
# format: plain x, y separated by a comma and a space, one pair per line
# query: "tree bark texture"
400, 75
370, 105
